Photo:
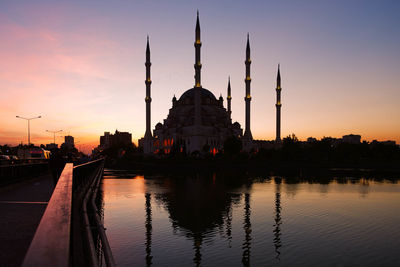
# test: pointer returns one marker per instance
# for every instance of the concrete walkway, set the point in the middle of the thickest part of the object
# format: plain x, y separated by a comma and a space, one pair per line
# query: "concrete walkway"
21, 208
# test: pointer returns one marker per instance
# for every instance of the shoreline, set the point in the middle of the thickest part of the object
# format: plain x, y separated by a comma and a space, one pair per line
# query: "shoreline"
250, 166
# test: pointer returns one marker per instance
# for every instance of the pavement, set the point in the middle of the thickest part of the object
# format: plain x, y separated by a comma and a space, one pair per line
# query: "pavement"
21, 207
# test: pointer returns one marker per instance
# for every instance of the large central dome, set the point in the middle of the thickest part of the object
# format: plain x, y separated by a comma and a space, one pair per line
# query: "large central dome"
189, 94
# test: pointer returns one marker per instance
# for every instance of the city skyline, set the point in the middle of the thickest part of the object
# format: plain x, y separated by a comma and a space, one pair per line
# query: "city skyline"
81, 67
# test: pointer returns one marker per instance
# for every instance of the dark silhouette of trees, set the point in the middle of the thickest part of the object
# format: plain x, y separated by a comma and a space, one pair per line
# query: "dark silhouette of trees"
290, 148
232, 145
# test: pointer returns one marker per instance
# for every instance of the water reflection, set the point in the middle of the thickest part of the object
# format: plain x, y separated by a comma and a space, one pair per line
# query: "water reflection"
278, 219
364, 187
247, 230
149, 229
198, 206
229, 225
221, 220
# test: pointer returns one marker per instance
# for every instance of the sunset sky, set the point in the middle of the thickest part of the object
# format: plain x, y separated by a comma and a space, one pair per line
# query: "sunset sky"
80, 65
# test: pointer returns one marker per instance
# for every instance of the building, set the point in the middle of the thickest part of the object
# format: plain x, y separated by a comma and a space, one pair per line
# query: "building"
105, 140
118, 139
68, 142
197, 121
386, 143
311, 140
351, 139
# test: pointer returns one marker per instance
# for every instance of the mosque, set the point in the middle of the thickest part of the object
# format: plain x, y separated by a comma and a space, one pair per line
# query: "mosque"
198, 121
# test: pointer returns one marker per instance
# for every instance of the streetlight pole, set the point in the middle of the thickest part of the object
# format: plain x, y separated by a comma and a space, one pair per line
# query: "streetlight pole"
54, 134
29, 126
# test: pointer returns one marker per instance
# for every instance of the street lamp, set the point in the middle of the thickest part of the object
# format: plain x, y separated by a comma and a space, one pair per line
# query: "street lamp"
54, 133
29, 126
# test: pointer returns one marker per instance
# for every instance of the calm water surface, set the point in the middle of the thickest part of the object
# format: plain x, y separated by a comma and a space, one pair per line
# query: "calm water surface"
223, 221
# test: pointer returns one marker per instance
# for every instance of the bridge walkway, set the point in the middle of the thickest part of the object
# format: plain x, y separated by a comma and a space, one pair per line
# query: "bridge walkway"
21, 207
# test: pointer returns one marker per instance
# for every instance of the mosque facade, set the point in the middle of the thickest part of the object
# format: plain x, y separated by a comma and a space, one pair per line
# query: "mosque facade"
197, 121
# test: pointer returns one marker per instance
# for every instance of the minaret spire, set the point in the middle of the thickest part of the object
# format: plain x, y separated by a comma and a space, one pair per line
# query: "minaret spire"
197, 45
247, 98
278, 78
148, 91
248, 47
229, 98
278, 105
197, 76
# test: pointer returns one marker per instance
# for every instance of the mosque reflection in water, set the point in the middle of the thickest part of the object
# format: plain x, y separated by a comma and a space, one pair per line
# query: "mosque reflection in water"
221, 219
198, 206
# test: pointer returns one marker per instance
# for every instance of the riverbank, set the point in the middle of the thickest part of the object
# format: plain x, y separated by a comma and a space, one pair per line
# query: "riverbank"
255, 166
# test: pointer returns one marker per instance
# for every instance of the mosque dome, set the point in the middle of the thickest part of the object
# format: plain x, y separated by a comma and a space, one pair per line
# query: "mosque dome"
189, 94
182, 112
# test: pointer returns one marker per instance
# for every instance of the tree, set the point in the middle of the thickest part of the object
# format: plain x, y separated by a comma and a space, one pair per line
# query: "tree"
232, 145
290, 147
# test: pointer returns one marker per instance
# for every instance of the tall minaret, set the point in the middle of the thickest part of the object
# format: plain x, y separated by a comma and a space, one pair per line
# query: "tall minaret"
197, 63
278, 106
197, 76
229, 98
148, 88
247, 98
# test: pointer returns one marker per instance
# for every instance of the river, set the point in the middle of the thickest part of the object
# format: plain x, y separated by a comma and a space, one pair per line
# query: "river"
234, 220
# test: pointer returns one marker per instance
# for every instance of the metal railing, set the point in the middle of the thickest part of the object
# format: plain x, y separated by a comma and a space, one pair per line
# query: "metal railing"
96, 246
71, 232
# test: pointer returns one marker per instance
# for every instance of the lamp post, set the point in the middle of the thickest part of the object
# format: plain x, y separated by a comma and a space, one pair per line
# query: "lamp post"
29, 126
54, 134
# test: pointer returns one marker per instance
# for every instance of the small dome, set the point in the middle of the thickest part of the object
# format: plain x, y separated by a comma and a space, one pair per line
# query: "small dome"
236, 125
158, 125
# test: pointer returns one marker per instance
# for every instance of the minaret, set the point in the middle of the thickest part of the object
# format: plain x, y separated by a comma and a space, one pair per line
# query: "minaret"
148, 88
278, 106
247, 98
197, 63
229, 98
197, 76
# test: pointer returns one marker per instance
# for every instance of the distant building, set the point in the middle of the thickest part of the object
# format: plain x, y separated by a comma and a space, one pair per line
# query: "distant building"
311, 140
105, 140
351, 139
386, 143
115, 140
121, 139
68, 142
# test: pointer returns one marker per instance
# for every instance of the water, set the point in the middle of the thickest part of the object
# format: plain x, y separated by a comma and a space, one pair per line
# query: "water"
218, 220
